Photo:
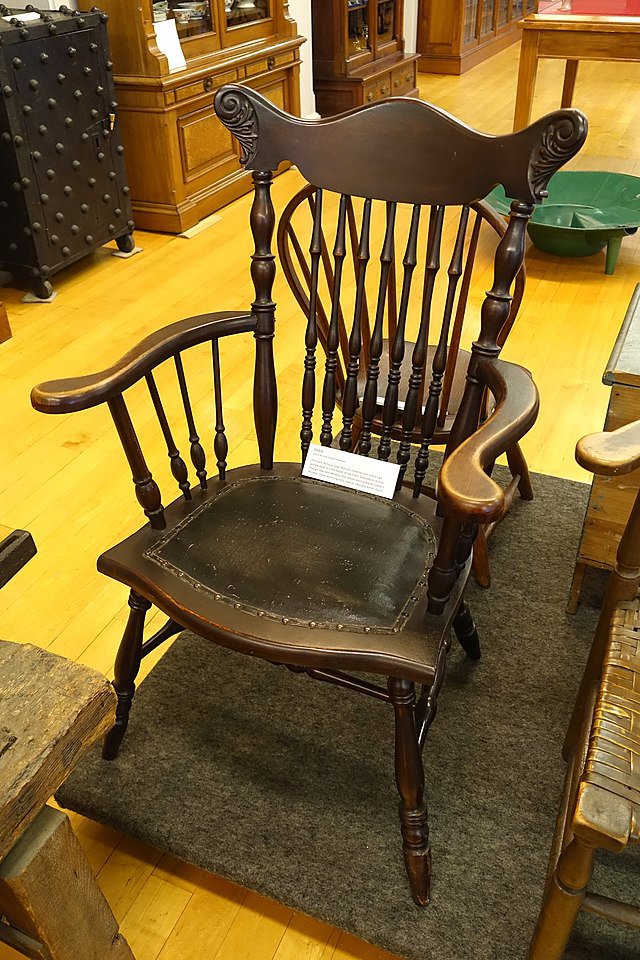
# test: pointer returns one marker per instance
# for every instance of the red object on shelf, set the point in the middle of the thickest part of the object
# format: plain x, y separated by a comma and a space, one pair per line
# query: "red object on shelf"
597, 8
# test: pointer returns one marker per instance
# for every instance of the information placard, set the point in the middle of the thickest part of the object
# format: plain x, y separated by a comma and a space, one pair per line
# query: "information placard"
351, 470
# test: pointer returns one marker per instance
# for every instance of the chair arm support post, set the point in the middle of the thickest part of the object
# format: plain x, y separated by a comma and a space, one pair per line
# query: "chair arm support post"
147, 490
81, 393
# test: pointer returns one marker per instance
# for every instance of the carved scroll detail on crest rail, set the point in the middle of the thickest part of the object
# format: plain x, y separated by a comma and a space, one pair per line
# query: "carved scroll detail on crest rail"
561, 140
238, 114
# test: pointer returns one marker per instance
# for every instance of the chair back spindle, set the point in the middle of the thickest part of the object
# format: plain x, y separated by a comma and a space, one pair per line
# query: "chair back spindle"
419, 355
178, 466
456, 332
390, 410
431, 409
360, 321
329, 385
198, 456
311, 335
220, 444
370, 400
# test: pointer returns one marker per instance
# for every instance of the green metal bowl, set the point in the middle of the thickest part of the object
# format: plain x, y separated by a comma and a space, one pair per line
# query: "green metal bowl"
586, 211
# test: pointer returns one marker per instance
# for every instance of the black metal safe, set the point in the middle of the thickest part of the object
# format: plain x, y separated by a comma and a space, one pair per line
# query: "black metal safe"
63, 185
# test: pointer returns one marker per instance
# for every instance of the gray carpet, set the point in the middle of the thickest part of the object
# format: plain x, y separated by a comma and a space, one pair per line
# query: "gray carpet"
286, 785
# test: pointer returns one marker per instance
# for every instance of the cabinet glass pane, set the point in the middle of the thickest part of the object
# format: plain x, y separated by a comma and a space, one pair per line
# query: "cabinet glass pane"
239, 12
486, 26
385, 20
191, 17
469, 33
357, 26
503, 12
517, 10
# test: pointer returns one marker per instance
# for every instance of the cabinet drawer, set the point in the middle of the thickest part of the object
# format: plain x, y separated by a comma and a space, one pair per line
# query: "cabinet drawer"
403, 79
378, 88
196, 89
270, 63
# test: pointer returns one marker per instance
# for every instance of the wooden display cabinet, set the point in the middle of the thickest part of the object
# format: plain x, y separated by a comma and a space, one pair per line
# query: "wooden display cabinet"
182, 163
358, 53
455, 35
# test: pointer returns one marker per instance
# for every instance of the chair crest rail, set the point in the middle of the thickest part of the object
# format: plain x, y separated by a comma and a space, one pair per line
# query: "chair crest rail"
426, 148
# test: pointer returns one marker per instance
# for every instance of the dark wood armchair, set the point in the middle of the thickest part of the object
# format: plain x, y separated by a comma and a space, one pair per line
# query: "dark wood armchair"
480, 234
315, 577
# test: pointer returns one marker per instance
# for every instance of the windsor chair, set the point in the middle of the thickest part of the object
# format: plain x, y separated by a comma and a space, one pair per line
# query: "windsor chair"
319, 578
293, 226
600, 808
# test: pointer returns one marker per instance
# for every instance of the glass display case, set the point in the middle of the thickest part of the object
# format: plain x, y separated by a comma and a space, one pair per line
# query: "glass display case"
358, 53
454, 35
183, 164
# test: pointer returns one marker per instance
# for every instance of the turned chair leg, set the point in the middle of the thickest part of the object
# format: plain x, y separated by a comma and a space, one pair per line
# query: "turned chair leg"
410, 782
465, 630
518, 467
125, 673
563, 898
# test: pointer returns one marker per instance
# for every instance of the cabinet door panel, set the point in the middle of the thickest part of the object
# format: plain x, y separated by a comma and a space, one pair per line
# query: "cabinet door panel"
204, 144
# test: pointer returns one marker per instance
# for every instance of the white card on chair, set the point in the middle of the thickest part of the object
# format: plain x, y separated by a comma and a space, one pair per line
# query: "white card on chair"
351, 470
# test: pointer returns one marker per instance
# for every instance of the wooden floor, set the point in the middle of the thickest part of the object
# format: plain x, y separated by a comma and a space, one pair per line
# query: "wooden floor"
65, 479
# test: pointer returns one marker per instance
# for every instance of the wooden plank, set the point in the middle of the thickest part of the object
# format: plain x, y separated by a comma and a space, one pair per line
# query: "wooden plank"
51, 710
48, 892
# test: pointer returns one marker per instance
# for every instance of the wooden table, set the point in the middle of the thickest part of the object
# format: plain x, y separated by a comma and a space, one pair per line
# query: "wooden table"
589, 30
611, 498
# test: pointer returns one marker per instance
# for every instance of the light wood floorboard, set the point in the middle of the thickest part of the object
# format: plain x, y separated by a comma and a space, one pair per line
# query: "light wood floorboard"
65, 480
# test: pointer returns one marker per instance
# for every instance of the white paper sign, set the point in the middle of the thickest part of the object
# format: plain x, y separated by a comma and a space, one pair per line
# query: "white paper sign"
351, 470
169, 43
23, 17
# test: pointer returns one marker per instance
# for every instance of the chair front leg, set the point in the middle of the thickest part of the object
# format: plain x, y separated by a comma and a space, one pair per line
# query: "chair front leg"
410, 782
563, 898
125, 672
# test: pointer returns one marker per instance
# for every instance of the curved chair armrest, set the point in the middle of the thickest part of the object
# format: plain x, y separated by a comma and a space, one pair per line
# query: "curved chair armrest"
80, 393
611, 454
463, 486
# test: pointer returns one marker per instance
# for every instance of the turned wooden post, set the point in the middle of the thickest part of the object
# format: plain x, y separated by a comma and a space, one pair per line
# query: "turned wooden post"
263, 271
147, 490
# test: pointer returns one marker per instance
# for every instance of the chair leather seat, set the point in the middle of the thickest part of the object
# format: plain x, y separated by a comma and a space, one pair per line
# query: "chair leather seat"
293, 569
290, 547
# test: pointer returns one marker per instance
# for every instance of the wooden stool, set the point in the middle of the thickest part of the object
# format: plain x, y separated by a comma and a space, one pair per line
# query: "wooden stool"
51, 711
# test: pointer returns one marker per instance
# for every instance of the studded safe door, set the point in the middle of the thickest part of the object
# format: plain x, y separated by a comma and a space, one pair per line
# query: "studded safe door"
63, 185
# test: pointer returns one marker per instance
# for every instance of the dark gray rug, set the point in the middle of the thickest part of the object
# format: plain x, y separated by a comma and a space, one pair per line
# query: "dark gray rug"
286, 785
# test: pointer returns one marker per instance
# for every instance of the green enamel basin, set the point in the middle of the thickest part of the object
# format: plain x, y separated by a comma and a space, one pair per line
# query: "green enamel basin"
586, 210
